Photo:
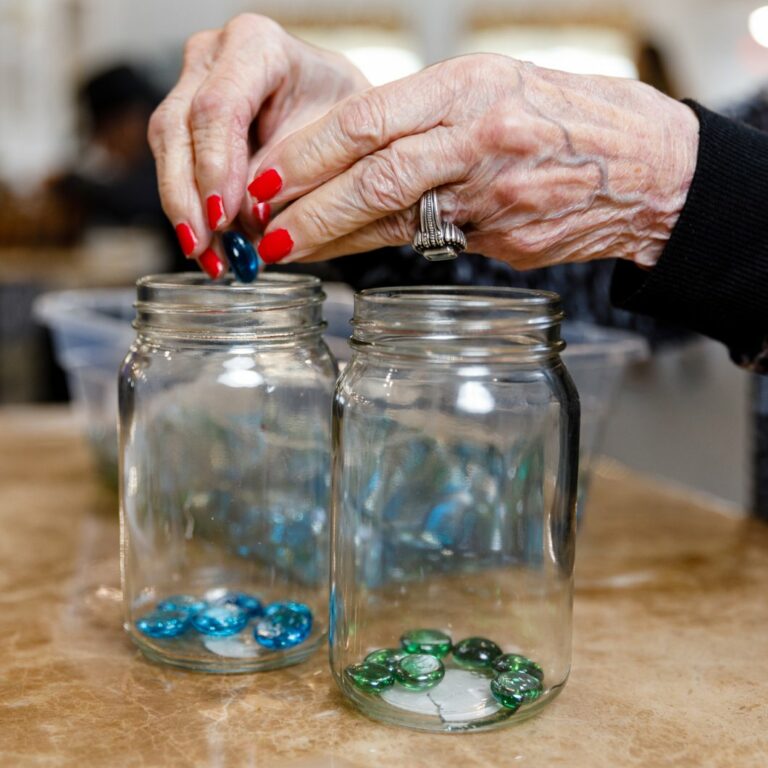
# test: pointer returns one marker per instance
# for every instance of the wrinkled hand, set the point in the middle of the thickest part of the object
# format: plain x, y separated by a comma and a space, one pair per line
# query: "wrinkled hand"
241, 89
536, 166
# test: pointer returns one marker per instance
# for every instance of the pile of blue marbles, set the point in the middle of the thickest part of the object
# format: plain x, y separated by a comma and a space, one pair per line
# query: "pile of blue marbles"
276, 626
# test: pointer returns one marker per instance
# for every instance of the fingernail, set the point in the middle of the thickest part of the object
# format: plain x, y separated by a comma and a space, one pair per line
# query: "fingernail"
241, 256
211, 264
215, 210
275, 246
187, 239
266, 185
262, 213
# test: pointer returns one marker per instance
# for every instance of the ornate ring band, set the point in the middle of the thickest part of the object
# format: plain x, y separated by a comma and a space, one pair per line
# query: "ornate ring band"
436, 240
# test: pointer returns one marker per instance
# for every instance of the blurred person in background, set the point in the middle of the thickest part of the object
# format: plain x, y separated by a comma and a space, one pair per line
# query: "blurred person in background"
753, 111
113, 181
112, 178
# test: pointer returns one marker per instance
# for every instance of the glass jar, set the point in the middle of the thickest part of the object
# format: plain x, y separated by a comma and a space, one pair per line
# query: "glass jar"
456, 434
225, 409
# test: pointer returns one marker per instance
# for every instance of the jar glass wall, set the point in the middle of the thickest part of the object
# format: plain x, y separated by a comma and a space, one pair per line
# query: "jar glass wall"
455, 467
225, 401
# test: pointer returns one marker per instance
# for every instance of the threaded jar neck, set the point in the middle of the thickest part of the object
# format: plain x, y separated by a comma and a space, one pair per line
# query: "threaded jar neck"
446, 323
188, 306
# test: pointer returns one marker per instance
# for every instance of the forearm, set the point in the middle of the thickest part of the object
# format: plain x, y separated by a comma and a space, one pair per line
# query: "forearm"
712, 276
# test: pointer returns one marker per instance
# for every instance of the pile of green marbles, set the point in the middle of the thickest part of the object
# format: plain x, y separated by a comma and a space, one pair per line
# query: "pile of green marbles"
418, 666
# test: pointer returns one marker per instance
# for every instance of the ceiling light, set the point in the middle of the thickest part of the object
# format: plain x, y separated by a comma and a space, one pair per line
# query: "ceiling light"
758, 25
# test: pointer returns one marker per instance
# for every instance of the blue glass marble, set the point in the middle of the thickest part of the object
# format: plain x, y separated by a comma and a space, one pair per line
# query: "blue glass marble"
185, 603
220, 620
241, 255
163, 623
284, 625
280, 609
248, 603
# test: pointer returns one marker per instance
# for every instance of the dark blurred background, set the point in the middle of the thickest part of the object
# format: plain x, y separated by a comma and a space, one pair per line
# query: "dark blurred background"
79, 208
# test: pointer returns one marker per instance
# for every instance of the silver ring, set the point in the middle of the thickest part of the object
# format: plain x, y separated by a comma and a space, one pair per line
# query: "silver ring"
436, 240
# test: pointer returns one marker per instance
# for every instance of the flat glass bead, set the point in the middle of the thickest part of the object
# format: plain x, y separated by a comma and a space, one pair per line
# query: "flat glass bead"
220, 620
188, 604
514, 662
284, 625
241, 255
419, 671
370, 677
511, 689
250, 604
475, 652
389, 657
431, 641
163, 623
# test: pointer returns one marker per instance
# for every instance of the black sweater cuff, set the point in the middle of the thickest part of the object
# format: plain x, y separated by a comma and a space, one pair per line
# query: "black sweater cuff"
713, 274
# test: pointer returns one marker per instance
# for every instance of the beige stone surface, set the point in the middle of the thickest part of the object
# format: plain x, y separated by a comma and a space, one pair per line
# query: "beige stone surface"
670, 645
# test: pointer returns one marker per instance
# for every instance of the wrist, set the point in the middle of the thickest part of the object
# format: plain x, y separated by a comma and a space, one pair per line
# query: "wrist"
676, 165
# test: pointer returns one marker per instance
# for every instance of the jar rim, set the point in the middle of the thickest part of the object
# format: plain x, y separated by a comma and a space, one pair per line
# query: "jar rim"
458, 322
267, 283
465, 294
188, 304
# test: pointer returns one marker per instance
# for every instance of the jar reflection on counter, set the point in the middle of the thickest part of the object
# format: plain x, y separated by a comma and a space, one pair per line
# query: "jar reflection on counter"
225, 402
455, 468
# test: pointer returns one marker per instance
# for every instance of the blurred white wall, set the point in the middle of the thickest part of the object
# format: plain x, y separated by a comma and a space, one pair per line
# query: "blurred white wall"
685, 416
44, 44
707, 40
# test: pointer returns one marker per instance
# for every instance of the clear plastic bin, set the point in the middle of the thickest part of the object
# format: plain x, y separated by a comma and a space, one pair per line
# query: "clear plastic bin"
597, 359
92, 332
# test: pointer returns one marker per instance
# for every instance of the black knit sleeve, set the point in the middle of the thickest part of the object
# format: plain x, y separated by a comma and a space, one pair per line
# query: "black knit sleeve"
713, 274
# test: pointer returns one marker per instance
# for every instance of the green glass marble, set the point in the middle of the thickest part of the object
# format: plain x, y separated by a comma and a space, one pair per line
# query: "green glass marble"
389, 657
419, 671
514, 662
475, 652
511, 689
430, 641
369, 677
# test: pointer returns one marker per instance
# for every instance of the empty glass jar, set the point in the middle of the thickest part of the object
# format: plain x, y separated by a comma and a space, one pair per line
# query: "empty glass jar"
225, 402
455, 467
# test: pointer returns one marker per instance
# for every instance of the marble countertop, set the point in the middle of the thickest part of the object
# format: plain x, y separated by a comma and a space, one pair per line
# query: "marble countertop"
670, 644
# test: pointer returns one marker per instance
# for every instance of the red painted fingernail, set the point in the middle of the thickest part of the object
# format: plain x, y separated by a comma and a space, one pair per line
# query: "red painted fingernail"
275, 246
211, 263
262, 213
215, 210
266, 185
187, 239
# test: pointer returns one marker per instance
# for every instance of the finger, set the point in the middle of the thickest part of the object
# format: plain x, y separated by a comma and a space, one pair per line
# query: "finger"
395, 230
249, 67
356, 127
377, 186
171, 145
255, 213
212, 261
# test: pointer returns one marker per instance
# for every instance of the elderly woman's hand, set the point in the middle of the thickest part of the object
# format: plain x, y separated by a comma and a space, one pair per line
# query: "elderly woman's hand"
536, 166
241, 89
